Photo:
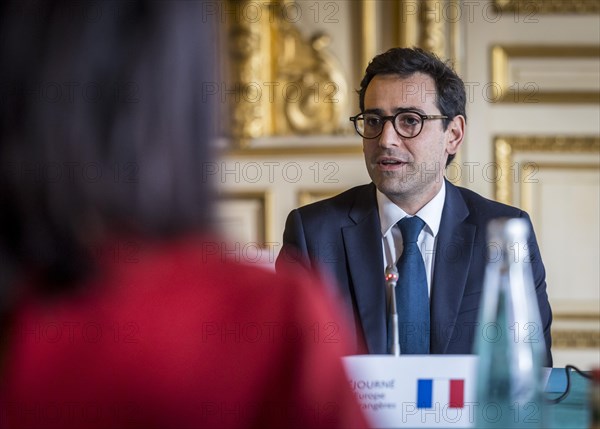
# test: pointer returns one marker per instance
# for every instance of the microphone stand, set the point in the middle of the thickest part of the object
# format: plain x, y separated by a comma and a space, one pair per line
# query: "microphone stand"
391, 278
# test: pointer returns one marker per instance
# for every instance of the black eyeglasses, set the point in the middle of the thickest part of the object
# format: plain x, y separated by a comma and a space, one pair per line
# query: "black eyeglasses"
408, 123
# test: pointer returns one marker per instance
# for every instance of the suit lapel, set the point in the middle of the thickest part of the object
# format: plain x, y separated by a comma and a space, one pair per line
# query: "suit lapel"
452, 260
362, 244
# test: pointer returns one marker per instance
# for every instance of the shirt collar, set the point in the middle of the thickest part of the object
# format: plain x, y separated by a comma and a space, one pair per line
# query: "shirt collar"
431, 213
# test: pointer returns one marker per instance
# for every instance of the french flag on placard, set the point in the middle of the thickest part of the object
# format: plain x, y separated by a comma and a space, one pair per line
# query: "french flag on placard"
443, 390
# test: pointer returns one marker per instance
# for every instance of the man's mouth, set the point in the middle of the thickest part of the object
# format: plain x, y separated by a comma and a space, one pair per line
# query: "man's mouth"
390, 163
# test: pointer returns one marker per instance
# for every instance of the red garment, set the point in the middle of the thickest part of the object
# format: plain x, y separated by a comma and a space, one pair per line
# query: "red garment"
171, 337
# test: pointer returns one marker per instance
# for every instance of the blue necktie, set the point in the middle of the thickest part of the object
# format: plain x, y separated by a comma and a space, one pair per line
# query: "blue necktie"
412, 295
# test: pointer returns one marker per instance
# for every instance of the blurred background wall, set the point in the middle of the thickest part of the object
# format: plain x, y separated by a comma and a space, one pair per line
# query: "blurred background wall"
532, 71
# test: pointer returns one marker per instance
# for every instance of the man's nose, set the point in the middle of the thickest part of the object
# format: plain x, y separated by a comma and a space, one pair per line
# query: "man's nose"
389, 137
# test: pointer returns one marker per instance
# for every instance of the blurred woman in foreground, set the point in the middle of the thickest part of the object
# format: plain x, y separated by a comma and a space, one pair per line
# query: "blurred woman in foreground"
114, 313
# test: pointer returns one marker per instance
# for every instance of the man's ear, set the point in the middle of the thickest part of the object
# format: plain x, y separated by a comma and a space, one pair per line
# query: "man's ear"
455, 132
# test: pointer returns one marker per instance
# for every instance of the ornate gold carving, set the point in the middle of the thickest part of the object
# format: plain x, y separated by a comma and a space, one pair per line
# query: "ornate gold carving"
430, 24
247, 42
282, 84
432, 27
552, 144
577, 339
547, 6
506, 146
313, 87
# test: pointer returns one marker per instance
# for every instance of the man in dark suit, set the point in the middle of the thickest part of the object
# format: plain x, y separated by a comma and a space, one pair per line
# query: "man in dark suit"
412, 122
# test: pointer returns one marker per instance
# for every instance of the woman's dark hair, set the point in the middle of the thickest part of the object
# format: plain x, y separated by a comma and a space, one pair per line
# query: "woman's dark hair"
104, 131
404, 62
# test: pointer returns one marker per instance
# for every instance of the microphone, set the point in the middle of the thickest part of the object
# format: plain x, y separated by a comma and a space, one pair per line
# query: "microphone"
391, 278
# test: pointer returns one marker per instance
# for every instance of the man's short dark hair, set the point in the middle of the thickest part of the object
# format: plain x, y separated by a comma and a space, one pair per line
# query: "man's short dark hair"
404, 62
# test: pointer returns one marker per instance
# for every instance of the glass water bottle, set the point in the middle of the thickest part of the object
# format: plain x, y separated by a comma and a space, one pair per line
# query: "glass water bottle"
510, 340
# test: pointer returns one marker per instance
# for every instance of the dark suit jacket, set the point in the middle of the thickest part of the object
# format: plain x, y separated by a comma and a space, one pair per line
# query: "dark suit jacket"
342, 236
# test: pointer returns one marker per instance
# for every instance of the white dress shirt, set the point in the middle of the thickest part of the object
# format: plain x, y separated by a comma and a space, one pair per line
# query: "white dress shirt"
391, 238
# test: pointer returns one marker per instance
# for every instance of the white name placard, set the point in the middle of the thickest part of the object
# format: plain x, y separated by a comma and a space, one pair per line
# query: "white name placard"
415, 391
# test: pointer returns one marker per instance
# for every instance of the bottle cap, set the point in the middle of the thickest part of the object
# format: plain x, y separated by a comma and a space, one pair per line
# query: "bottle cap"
516, 230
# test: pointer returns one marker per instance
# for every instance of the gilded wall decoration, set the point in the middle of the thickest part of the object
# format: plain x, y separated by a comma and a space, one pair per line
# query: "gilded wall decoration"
316, 87
246, 217
548, 6
576, 339
432, 29
545, 74
248, 111
283, 83
552, 178
507, 146
430, 24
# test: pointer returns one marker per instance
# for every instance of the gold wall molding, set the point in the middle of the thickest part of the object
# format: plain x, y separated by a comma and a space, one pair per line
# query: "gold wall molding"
247, 40
430, 24
575, 339
367, 16
407, 25
528, 171
432, 37
548, 6
529, 92
308, 196
283, 84
505, 147
265, 200
557, 316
